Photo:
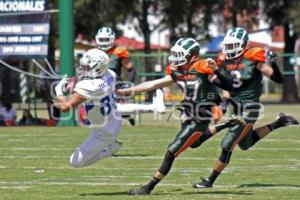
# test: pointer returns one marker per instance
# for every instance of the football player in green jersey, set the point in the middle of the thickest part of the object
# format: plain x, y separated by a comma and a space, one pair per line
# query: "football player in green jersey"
105, 40
194, 77
244, 68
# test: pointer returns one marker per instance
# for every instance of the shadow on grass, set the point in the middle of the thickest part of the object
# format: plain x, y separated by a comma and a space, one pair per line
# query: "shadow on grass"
220, 192
131, 155
104, 194
253, 185
172, 192
121, 194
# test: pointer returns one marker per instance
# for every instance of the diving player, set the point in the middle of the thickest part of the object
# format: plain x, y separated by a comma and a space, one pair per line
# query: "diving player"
96, 87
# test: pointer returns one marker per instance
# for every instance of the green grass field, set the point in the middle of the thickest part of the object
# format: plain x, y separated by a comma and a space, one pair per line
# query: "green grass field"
34, 164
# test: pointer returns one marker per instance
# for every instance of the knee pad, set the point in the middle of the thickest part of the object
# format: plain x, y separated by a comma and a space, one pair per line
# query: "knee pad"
227, 145
249, 141
225, 156
244, 147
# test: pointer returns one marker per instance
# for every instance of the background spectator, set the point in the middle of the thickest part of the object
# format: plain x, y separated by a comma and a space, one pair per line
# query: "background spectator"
8, 114
27, 119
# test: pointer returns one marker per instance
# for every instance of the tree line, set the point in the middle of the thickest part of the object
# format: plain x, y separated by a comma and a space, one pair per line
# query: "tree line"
185, 18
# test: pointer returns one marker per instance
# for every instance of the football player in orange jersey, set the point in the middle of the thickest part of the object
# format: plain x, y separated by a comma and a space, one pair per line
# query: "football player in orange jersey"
196, 80
105, 40
244, 68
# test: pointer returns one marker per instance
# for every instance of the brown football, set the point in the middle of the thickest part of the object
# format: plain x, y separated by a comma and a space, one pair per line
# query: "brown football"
71, 84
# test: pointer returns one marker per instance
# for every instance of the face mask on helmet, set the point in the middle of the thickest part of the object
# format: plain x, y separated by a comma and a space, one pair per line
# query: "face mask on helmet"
234, 43
92, 64
105, 38
183, 49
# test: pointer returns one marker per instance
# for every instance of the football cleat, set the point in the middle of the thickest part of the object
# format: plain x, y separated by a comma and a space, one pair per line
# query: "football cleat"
131, 121
140, 191
205, 183
286, 120
116, 146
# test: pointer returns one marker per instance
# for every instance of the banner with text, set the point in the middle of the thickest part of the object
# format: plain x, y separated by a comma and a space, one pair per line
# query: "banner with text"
24, 28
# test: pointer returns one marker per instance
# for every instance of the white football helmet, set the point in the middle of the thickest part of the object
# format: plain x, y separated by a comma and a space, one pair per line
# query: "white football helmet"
105, 38
93, 64
235, 42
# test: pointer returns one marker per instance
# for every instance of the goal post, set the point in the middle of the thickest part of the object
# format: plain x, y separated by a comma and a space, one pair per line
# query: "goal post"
66, 43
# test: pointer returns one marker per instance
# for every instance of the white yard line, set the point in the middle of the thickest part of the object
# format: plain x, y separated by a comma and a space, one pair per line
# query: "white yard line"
30, 184
121, 157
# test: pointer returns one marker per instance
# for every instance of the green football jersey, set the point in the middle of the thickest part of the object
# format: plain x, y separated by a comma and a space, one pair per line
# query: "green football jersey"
116, 55
246, 78
194, 83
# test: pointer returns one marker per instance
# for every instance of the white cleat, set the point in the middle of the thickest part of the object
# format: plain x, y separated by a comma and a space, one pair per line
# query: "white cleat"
116, 146
158, 101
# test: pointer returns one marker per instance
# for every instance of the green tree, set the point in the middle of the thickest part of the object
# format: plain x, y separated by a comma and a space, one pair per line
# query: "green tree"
190, 17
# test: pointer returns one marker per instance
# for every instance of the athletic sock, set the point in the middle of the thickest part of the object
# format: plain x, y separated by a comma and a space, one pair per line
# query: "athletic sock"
152, 184
255, 137
213, 176
274, 125
221, 126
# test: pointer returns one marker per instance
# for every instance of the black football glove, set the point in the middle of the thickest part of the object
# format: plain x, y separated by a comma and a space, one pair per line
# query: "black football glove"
271, 57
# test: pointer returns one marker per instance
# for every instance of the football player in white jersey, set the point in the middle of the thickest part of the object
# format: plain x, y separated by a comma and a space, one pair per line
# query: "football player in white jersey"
95, 88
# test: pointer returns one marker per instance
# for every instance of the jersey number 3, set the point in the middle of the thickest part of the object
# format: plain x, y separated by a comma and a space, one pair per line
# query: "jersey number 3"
236, 75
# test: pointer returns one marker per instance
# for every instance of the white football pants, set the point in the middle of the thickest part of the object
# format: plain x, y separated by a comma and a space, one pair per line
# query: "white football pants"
95, 147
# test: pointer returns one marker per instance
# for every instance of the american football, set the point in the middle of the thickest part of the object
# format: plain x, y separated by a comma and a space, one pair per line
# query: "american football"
70, 85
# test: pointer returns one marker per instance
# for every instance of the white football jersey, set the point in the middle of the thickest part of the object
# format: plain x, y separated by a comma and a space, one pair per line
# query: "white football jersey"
100, 105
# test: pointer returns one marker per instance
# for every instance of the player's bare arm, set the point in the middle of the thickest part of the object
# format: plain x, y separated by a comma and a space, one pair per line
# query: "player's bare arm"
147, 86
65, 104
127, 64
272, 73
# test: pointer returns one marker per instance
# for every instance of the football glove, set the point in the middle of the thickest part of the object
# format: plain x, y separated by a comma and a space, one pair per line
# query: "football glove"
271, 57
60, 87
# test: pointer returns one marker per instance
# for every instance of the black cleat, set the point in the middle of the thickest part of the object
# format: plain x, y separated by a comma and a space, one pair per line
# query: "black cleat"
205, 183
140, 191
131, 121
286, 120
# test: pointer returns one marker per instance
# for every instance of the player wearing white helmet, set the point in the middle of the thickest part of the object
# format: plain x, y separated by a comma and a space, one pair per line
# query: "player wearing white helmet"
244, 69
95, 88
105, 40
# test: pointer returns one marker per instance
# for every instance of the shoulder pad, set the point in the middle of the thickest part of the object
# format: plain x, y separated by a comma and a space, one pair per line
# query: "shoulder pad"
220, 59
121, 52
88, 89
114, 75
201, 66
255, 54
169, 70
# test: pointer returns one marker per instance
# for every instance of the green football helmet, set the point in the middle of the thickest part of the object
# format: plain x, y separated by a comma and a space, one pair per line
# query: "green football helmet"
183, 49
235, 42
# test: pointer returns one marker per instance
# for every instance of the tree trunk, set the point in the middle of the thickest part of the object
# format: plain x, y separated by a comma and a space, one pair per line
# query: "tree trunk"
147, 44
146, 32
290, 90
